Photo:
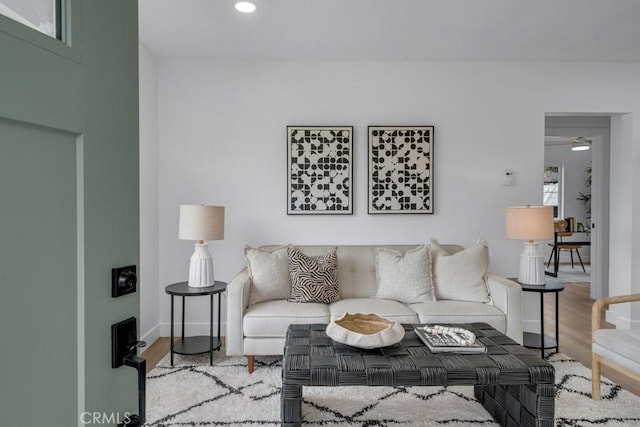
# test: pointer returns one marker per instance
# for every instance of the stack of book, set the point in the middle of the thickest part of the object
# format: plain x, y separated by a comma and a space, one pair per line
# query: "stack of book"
445, 343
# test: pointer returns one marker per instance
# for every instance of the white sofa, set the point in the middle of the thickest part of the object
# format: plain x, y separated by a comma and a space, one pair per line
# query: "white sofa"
260, 329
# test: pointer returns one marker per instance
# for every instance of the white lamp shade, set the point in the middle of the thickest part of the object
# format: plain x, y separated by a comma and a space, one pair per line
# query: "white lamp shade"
529, 222
198, 222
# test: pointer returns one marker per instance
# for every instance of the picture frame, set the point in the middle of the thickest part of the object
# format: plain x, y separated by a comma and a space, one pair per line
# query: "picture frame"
400, 178
319, 170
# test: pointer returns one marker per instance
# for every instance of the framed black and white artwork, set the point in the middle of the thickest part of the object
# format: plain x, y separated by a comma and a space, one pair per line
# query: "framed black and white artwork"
320, 171
401, 169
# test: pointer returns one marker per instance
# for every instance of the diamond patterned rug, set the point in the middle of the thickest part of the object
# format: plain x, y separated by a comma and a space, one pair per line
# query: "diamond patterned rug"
192, 393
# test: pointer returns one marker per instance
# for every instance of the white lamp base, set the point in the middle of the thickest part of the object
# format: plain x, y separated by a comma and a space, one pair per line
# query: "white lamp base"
201, 267
531, 265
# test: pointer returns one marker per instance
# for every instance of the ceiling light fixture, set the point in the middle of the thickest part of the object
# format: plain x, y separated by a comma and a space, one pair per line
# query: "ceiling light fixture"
245, 7
580, 144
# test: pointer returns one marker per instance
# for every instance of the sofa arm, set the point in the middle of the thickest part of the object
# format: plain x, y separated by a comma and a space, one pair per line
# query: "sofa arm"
507, 296
237, 303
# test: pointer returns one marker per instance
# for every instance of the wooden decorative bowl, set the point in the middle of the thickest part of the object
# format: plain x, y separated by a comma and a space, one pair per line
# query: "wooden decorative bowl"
365, 330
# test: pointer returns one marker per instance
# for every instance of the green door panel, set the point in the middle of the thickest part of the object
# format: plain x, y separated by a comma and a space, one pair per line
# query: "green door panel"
38, 86
38, 283
68, 215
110, 73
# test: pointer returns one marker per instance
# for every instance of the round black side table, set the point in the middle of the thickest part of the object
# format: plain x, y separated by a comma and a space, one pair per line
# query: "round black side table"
200, 343
541, 341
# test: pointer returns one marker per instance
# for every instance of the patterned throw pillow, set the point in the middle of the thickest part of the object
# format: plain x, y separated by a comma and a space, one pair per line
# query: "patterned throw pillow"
314, 279
404, 277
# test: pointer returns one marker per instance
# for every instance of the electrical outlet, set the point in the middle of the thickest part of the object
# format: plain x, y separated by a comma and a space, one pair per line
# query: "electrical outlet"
123, 280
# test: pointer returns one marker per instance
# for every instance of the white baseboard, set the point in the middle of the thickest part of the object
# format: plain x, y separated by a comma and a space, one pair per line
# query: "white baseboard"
151, 336
532, 326
621, 322
198, 328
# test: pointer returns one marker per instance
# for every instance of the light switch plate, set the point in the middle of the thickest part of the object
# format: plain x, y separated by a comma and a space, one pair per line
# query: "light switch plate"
508, 177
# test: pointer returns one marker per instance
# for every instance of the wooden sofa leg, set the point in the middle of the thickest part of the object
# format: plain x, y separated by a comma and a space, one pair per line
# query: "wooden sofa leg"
595, 377
250, 361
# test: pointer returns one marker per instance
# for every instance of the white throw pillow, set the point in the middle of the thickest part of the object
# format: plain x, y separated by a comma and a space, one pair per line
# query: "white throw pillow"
404, 277
461, 276
269, 272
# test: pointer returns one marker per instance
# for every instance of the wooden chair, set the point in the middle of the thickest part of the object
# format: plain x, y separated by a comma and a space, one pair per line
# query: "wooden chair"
618, 349
566, 246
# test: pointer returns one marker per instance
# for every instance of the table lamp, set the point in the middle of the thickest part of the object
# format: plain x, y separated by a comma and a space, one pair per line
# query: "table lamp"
530, 223
201, 223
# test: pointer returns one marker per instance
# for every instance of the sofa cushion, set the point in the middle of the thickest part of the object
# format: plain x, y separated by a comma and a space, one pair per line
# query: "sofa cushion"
404, 277
313, 279
272, 318
392, 310
461, 276
356, 265
448, 311
356, 271
269, 273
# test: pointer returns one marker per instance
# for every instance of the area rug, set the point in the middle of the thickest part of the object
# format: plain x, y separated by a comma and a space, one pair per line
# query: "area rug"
192, 393
566, 274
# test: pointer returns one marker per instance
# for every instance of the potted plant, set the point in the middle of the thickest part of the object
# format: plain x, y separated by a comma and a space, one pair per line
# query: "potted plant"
585, 199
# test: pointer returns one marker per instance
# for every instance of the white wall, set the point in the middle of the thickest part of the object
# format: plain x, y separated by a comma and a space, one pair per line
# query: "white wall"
222, 141
624, 218
148, 269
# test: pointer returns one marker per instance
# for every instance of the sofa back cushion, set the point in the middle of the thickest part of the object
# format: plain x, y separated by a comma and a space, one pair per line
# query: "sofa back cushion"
357, 265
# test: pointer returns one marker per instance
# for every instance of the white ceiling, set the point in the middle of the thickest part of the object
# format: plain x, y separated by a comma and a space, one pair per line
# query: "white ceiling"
436, 30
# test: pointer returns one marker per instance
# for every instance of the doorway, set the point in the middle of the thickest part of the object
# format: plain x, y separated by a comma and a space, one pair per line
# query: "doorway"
583, 193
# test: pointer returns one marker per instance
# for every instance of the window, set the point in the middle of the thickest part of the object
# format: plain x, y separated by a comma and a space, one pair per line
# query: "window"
41, 15
552, 189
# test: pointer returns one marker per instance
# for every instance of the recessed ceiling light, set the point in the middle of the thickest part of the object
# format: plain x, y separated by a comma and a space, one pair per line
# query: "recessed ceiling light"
245, 7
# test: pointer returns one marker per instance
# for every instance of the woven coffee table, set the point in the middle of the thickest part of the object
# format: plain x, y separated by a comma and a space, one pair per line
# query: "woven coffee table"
513, 384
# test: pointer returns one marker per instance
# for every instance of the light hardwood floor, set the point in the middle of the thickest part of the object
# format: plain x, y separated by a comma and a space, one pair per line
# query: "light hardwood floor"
155, 352
575, 332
